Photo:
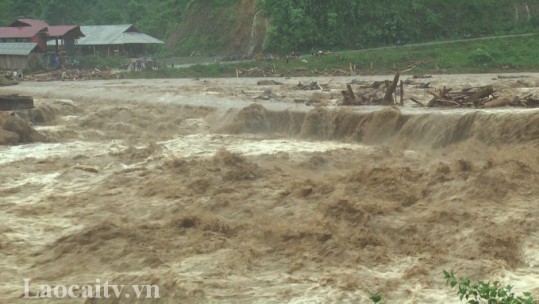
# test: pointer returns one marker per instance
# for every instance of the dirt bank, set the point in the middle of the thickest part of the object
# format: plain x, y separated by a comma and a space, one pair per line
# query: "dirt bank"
275, 202
236, 31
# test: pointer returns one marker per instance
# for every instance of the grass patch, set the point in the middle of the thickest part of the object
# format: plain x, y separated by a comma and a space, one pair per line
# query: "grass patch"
489, 55
504, 54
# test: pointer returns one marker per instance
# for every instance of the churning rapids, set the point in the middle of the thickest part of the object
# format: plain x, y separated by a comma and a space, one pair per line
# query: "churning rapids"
190, 186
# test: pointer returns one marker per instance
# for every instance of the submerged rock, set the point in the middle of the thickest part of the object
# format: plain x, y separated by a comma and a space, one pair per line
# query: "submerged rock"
8, 137
16, 130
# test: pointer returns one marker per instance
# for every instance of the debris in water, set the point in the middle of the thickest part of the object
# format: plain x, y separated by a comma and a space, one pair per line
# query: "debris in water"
90, 169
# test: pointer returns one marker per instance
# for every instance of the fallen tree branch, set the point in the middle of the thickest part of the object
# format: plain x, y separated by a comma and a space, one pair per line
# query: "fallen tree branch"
417, 102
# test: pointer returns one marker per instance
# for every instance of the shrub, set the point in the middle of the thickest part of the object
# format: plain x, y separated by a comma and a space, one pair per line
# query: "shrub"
479, 292
485, 292
480, 57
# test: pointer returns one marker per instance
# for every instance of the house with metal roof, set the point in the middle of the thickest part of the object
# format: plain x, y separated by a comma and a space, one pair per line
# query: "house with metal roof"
114, 39
18, 55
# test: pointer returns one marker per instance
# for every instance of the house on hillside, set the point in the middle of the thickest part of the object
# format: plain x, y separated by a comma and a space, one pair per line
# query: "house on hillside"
18, 55
111, 40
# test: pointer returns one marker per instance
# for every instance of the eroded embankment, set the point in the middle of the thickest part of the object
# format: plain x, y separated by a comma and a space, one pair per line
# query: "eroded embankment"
391, 126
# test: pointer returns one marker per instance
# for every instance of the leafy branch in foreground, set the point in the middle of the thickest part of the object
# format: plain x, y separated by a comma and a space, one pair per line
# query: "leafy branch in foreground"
485, 292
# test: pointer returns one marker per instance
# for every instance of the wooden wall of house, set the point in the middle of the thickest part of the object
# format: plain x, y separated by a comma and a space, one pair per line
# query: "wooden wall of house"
12, 62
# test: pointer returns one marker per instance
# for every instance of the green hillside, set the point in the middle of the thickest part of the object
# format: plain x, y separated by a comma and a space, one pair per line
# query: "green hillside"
494, 55
370, 23
239, 27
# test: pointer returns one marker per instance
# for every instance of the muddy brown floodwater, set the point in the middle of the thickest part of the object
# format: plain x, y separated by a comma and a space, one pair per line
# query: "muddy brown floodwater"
189, 186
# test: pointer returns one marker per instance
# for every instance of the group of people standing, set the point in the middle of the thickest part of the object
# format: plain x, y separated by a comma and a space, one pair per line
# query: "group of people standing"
15, 74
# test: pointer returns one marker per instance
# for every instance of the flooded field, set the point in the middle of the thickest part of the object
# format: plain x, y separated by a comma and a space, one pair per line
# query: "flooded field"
197, 187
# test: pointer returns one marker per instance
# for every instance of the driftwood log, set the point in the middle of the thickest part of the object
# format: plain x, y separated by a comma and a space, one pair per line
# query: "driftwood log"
470, 97
476, 98
349, 98
388, 97
385, 93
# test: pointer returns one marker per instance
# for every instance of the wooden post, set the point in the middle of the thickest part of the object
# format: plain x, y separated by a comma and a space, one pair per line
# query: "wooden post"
402, 93
388, 98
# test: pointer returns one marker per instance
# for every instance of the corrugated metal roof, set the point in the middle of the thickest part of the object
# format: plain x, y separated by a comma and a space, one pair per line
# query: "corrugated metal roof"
29, 22
114, 34
17, 48
102, 34
134, 37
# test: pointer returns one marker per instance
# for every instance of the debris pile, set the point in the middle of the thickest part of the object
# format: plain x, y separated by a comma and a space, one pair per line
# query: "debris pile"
468, 97
314, 85
271, 71
267, 95
479, 97
387, 92
257, 72
375, 93
268, 82
7, 81
74, 74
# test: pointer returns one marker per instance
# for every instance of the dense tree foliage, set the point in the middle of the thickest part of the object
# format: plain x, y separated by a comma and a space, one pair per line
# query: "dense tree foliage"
305, 24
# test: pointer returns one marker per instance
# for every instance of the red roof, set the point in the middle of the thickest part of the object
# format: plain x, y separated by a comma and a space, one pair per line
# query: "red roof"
29, 22
23, 28
19, 32
62, 30
28, 28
